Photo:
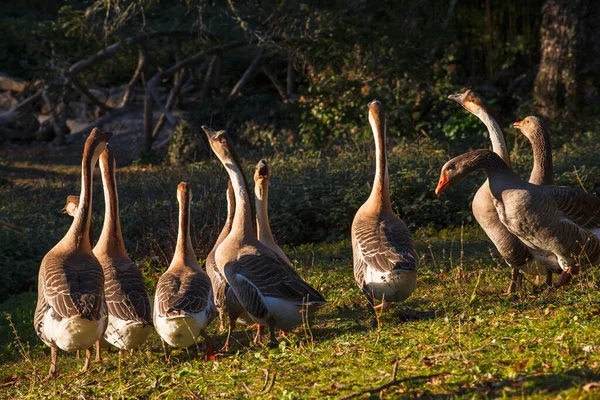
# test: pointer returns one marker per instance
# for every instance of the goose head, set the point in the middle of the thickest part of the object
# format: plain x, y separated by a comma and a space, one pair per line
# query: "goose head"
376, 115
470, 101
71, 205
220, 143
530, 126
261, 172
107, 157
184, 193
459, 168
96, 142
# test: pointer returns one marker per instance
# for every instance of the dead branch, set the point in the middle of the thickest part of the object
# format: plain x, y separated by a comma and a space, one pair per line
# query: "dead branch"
248, 73
275, 81
267, 385
11, 83
196, 58
291, 78
59, 129
117, 112
173, 94
7, 116
142, 62
86, 92
11, 227
208, 78
393, 382
112, 49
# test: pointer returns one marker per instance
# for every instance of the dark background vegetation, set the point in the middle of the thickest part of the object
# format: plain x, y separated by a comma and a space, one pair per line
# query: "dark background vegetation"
332, 58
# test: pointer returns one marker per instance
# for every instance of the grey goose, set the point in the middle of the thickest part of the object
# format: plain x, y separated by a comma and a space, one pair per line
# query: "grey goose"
183, 303
272, 293
385, 265
514, 252
548, 219
71, 310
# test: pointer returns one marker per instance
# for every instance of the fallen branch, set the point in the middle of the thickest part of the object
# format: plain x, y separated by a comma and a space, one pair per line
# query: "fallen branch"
267, 385
86, 92
57, 124
248, 73
159, 76
275, 81
11, 227
208, 78
11, 83
117, 112
142, 62
393, 382
7, 117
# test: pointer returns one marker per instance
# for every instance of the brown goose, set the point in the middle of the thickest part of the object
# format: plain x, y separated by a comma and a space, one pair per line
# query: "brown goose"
183, 304
71, 309
266, 286
71, 209
385, 265
129, 306
261, 195
514, 252
531, 212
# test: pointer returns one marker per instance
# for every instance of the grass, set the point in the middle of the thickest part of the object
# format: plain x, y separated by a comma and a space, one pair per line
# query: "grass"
456, 324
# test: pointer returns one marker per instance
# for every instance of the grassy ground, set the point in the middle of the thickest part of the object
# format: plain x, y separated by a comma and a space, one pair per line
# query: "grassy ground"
457, 324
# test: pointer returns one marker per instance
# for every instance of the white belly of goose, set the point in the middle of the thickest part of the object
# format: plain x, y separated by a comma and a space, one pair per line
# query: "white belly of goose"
70, 334
287, 314
396, 285
126, 334
182, 331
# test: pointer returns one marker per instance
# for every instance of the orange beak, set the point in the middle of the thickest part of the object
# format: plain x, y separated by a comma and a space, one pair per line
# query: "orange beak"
518, 124
443, 184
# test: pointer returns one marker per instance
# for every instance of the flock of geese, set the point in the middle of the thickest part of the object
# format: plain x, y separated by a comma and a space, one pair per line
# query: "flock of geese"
89, 294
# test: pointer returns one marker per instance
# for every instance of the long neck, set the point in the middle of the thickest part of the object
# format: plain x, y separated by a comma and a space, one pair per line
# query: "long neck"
490, 162
543, 171
184, 251
380, 194
229, 221
111, 238
261, 192
79, 233
496, 135
242, 221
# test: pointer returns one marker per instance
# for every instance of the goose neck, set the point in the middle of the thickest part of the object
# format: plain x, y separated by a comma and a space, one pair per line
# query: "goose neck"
261, 192
184, 250
543, 170
79, 232
242, 221
380, 194
111, 238
496, 135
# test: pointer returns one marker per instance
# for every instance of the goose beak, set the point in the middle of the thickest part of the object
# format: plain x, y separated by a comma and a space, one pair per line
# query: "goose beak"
211, 133
262, 169
458, 97
518, 125
443, 184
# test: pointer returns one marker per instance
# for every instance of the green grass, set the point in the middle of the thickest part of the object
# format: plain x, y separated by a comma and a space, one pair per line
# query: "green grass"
456, 324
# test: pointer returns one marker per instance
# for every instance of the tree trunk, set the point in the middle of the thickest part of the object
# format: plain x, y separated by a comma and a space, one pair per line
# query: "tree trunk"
570, 62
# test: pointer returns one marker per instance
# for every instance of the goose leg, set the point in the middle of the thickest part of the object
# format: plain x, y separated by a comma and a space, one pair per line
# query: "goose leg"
567, 275
273, 343
210, 347
53, 373
548, 278
166, 351
516, 282
88, 357
98, 354
131, 352
232, 321
77, 354
259, 333
374, 320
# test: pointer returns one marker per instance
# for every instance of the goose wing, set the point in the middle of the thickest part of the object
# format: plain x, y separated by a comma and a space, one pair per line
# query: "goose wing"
384, 244
73, 285
187, 291
262, 273
219, 284
126, 294
578, 206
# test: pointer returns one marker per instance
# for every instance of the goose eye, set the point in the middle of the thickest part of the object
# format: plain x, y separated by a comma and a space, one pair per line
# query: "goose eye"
223, 140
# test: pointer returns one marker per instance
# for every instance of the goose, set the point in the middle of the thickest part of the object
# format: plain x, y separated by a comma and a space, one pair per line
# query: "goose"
514, 252
548, 219
71, 311
385, 265
128, 302
261, 196
183, 304
271, 292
